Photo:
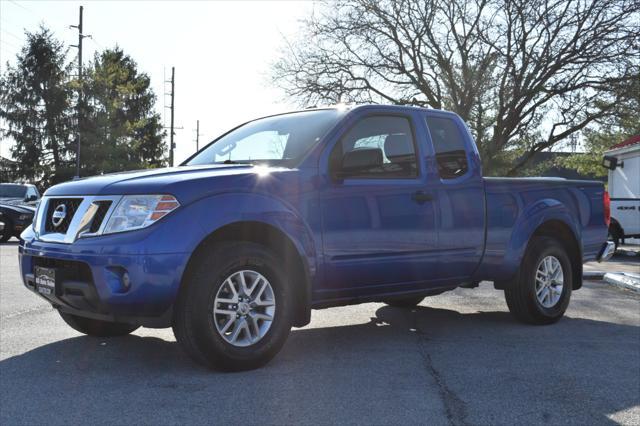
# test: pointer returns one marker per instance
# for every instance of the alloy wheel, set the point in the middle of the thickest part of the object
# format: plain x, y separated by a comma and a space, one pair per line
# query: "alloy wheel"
244, 308
549, 281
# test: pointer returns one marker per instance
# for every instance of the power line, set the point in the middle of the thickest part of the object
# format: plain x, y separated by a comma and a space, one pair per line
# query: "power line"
9, 33
93, 39
5, 42
37, 15
23, 7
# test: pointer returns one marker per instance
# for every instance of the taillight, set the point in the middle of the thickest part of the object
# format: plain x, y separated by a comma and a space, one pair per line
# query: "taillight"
607, 208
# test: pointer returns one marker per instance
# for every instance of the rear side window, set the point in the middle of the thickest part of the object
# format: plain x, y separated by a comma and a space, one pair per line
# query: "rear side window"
451, 155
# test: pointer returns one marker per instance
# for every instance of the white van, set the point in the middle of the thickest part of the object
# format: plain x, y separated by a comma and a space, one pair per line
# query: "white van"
623, 162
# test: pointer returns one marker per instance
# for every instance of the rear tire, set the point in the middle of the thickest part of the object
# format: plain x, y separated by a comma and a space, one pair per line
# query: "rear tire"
404, 302
97, 328
614, 235
535, 297
221, 323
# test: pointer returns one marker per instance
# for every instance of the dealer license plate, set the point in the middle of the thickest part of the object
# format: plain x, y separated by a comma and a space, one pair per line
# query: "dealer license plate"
45, 280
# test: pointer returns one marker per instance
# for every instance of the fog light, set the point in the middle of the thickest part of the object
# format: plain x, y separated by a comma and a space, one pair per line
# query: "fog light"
118, 279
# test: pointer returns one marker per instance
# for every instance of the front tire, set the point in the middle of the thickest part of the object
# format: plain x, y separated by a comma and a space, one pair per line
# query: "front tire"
7, 232
97, 328
235, 310
541, 292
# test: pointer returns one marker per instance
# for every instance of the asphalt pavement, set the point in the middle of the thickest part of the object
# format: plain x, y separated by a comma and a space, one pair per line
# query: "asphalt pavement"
457, 359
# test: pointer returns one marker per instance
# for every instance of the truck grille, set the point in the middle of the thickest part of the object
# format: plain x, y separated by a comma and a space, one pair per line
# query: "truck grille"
103, 208
65, 219
71, 206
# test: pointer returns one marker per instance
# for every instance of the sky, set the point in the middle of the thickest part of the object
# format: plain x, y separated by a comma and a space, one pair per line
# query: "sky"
222, 52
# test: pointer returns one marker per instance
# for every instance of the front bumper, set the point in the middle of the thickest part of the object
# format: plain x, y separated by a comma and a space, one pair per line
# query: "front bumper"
103, 282
607, 251
20, 226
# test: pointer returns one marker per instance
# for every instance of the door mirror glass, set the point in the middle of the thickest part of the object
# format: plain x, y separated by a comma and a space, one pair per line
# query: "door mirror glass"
361, 159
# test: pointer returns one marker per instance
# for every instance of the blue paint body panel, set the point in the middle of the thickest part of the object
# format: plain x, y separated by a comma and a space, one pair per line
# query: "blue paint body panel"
358, 238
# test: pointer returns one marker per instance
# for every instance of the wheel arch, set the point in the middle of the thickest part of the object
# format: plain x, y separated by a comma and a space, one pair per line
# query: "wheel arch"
548, 217
561, 232
270, 236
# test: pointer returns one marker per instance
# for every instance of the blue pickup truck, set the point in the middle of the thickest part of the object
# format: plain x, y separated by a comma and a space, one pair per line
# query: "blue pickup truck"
307, 210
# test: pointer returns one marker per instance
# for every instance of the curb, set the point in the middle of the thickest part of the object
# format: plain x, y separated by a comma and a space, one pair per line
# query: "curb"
593, 275
627, 252
624, 280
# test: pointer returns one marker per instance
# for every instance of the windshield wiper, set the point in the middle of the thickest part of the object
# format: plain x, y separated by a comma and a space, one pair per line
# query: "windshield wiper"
234, 162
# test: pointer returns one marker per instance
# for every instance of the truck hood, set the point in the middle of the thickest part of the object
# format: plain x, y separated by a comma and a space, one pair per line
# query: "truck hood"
18, 208
11, 200
185, 182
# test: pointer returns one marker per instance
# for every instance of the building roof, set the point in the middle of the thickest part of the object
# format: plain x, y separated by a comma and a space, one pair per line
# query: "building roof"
633, 140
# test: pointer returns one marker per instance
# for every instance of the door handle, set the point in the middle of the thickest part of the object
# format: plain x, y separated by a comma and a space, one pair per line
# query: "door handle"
421, 197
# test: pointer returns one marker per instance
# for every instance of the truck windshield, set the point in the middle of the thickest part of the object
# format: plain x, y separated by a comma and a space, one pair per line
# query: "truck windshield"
280, 140
12, 191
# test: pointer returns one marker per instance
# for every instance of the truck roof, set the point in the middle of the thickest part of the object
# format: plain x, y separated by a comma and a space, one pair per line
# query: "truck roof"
353, 107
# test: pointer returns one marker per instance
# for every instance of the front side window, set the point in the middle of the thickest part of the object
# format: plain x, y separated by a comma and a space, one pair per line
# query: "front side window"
448, 143
280, 140
31, 192
376, 147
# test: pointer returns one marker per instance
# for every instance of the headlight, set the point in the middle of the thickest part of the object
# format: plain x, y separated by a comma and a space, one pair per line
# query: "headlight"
139, 211
35, 214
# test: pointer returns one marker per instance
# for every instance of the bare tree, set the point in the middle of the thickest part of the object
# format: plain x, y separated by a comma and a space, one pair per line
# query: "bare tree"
524, 74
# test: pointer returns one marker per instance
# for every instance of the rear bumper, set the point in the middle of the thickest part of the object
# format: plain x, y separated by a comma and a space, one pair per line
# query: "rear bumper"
106, 284
608, 249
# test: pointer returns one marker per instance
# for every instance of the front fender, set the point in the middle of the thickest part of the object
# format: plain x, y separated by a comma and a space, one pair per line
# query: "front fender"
215, 212
527, 223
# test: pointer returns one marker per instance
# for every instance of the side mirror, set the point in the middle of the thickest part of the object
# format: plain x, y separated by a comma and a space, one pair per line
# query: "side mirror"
361, 159
31, 198
611, 163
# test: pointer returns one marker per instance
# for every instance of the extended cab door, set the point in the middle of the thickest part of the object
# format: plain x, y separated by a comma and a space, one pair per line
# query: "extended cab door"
378, 215
460, 193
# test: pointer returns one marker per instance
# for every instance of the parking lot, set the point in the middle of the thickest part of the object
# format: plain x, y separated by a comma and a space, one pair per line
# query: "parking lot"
459, 359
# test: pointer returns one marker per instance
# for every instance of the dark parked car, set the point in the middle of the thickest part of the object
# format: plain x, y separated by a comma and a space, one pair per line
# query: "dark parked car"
15, 219
18, 193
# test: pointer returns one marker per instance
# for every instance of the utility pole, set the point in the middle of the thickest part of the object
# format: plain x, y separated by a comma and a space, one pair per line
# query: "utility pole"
173, 93
197, 135
79, 46
172, 127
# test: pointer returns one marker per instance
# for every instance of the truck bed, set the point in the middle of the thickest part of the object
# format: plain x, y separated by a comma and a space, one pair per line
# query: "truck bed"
517, 206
